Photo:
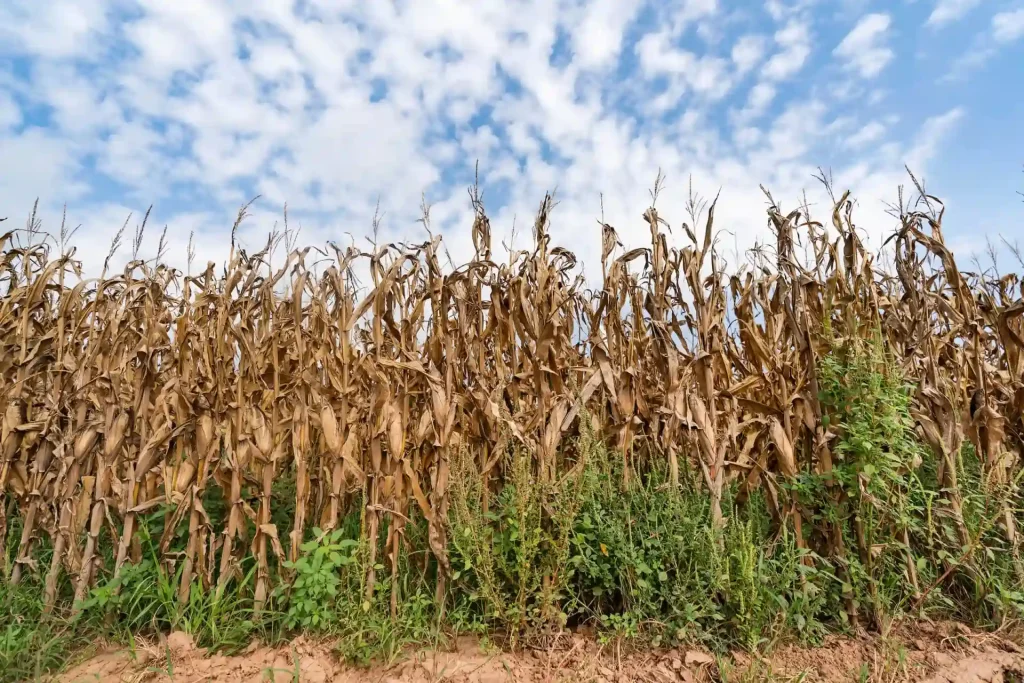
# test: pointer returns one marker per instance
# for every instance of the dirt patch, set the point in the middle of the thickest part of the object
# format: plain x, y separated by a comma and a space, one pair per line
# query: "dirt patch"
947, 653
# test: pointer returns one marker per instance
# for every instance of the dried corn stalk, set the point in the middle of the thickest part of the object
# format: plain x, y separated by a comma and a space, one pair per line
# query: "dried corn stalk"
152, 388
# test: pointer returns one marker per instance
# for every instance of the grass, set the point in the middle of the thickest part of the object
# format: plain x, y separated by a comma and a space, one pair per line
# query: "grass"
31, 646
142, 600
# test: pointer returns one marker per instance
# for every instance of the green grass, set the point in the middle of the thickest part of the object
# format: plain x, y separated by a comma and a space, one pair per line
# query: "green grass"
31, 646
142, 600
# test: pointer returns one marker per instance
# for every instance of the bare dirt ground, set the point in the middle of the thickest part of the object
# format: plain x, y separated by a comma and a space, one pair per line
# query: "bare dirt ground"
936, 653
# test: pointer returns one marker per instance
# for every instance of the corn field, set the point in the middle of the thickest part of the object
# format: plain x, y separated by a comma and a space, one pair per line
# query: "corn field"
154, 388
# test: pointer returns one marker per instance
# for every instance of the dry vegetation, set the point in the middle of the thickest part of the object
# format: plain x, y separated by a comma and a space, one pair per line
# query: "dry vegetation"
152, 389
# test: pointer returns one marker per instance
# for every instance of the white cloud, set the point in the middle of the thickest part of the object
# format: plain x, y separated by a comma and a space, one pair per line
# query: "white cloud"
685, 12
785, 9
863, 50
760, 96
1008, 26
948, 11
932, 133
10, 112
747, 52
598, 39
1005, 28
78, 106
355, 153
61, 28
334, 105
870, 132
706, 75
794, 41
35, 162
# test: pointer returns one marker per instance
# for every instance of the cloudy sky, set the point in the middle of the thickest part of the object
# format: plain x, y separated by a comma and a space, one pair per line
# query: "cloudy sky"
196, 106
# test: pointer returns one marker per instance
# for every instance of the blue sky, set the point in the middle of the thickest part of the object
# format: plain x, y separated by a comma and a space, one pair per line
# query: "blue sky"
196, 106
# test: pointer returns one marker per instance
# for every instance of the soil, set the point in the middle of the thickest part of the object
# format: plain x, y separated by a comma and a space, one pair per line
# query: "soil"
932, 653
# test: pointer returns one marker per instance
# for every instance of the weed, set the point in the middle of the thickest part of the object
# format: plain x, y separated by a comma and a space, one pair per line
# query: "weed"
315, 588
514, 558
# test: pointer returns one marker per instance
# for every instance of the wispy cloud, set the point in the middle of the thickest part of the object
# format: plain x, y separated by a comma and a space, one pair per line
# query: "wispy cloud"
748, 51
949, 11
794, 43
1008, 26
870, 132
932, 133
1004, 29
863, 50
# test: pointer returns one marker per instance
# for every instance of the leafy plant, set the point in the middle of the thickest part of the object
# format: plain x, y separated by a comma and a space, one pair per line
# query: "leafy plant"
514, 556
314, 591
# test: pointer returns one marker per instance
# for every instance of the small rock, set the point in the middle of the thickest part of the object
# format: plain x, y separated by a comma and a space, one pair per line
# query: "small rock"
676, 664
180, 642
686, 676
694, 657
143, 657
941, 659
251, 647
920, 645
606, 672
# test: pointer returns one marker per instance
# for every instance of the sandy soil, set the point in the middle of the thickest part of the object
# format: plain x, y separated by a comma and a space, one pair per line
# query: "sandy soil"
936, 653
